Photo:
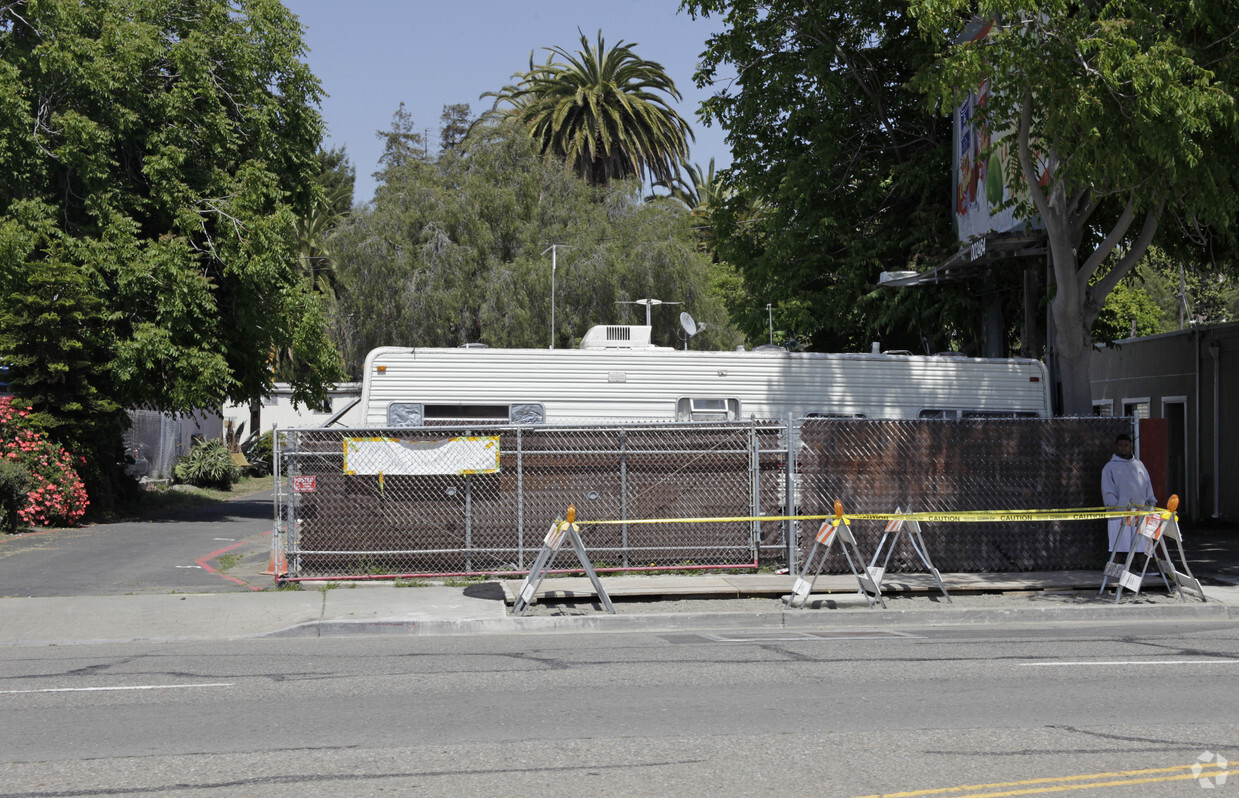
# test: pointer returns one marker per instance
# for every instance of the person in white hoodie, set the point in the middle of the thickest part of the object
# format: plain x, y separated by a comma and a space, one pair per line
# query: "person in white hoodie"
1124, 482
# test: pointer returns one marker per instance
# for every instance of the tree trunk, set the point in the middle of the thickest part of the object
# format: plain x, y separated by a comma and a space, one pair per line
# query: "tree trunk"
1073, 347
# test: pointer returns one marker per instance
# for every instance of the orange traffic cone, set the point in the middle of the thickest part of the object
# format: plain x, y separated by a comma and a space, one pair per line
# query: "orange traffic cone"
276, 565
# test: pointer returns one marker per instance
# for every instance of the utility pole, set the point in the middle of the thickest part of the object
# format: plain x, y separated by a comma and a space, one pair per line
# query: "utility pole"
554, 250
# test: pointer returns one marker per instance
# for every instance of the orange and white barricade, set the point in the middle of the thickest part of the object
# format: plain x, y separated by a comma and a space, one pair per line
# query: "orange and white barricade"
834, 529
911, 528
1152, 530
560, 531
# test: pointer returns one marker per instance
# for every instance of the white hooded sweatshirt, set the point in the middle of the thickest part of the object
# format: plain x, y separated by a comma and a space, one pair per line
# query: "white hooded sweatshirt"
1123, 483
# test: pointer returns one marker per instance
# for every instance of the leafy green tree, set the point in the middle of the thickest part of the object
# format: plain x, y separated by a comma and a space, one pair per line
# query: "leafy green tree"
337, 176
1136, 105
1185, 292
454, 252
852, 172
604, 111
53, 336
1129, 312
156, 155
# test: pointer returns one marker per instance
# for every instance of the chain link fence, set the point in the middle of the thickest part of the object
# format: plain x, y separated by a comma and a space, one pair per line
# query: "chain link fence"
464, 500
977, 464
446, 500
153, 442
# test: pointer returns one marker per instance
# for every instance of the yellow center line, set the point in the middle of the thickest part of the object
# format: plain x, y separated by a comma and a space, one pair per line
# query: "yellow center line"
1054, 784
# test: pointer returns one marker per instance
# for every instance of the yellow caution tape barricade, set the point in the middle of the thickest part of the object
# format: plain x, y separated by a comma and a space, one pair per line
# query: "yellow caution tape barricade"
911, 528
1117, 565
836, 529
560, 531
1151, 531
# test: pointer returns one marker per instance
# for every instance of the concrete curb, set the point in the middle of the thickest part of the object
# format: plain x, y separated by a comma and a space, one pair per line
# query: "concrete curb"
787, 619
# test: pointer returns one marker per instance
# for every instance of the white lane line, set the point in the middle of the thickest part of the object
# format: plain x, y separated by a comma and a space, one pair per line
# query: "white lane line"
1135, 662
188, 566
103, 689
227, 539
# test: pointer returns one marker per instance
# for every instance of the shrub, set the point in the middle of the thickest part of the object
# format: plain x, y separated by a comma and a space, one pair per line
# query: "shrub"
258, 452
208, 465
14, 482
55, 493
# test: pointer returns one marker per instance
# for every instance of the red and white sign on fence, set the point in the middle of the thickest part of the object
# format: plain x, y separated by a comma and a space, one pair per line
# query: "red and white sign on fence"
307, 483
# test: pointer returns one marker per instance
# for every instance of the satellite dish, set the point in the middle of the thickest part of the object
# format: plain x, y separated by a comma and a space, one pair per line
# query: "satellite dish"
690, 326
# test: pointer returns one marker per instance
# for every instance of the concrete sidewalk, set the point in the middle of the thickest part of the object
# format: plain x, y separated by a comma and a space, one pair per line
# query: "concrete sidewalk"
481, 608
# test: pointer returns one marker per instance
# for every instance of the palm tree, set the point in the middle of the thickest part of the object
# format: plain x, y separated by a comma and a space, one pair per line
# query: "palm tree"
603, 111
312, 246
701, 192
706, 193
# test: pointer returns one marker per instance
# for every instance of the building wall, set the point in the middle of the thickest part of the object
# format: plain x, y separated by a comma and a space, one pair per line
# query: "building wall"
1191, 379
277, 410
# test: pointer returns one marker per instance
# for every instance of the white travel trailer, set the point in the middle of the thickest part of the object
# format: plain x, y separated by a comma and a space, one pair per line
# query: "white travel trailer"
618, 376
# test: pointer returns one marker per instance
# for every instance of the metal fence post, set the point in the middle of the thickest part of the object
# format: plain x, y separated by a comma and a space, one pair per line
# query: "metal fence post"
789, 501
754, 491
520, 500
624, 494
279, 531
468, 522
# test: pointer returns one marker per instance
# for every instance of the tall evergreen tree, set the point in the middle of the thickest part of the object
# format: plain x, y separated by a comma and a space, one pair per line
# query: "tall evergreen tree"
454, 124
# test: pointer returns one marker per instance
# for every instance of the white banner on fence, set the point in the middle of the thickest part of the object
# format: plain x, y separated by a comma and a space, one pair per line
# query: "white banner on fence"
394, 456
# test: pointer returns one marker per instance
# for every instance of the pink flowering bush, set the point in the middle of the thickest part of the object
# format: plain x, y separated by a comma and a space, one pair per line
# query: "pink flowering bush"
56, 495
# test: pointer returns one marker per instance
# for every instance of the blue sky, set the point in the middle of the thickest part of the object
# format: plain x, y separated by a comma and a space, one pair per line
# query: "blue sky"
372, 54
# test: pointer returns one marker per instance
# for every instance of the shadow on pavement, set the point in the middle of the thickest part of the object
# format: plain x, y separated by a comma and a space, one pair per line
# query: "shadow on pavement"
486, 590
1212, 549
253, 507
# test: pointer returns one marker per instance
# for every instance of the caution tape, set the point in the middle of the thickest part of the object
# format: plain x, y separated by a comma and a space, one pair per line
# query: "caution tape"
963, 516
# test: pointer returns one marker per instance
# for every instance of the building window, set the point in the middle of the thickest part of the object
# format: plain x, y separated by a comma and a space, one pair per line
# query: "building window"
1136, 408
1103, 407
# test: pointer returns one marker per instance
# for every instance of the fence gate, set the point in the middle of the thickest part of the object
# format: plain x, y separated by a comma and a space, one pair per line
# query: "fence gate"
476, 500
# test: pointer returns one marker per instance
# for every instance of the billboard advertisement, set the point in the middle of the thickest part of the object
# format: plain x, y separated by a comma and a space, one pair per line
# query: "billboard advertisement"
985, 161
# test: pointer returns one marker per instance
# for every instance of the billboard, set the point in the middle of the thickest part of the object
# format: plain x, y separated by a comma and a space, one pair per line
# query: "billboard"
984, 162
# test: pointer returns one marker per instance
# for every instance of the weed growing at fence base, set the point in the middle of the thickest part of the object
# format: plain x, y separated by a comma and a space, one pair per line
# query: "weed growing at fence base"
464, 582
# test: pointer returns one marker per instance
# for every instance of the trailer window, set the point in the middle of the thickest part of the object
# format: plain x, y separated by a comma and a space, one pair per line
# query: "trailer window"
999, 414
467, 412
405, 414
934, 412
528, 414
691, 409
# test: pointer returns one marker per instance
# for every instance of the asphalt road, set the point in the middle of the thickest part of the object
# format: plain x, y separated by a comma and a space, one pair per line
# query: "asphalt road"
176, 554
932, 711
